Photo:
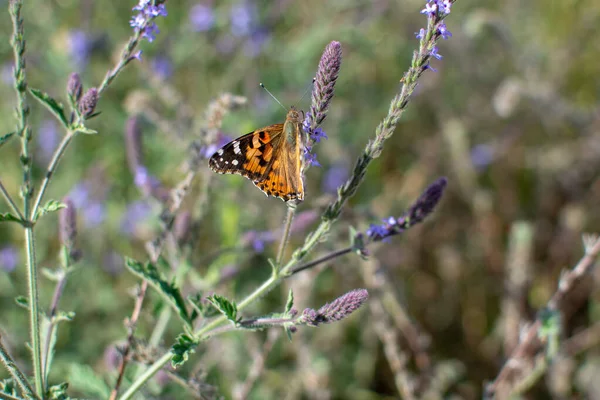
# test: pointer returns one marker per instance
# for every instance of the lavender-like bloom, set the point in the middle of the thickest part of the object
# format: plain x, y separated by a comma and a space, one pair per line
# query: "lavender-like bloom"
9, 259
143, 22
88, 102
242, 19
48, 139
202, 17
424, 206
162, 67
74, 87
435, 10
80, 47
67, 228
334, 178
339, 309
322, 93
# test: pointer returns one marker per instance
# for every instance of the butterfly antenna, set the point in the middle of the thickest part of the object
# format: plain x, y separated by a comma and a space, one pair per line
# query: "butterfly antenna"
307, 90
274, 98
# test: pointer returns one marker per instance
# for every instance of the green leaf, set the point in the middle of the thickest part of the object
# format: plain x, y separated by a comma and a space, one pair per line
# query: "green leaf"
55, 107
58, 392
182, 349
83, 379
288, 332
4, 139
85, 130
290, 302
50, 206
168, 291
22, 301
225, 306
8, 386
8, 217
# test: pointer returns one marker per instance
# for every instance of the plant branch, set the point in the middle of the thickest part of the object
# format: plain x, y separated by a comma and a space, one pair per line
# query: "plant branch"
16, 373
291, 211
11, 203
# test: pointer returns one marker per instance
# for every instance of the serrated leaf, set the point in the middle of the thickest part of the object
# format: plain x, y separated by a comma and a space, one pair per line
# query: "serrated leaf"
169, 291
58, 392
4, 139
8, 217
83, 378
182, 349
55, 107
225, 306
85, 130
22, 301
290, 302
197, 307
50, 206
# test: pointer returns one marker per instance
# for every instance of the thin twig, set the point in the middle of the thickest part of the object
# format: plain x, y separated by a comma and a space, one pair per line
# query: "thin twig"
524, 354
58, 291
11, 203
16, 373
289, 218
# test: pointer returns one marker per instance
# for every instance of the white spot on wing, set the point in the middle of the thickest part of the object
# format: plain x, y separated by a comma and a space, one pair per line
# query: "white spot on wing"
221, 159
235, 162
236, 148
220, 152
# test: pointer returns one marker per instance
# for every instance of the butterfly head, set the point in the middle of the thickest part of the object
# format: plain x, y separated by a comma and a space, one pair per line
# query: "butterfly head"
295, 116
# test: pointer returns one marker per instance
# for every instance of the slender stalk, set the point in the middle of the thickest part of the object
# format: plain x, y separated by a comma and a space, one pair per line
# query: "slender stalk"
16, 373
58, 291
10, 201
56, 157
34, 321
321, 260
291, 211
8, 397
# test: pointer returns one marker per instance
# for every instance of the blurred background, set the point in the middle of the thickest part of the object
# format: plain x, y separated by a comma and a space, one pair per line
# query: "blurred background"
510, 116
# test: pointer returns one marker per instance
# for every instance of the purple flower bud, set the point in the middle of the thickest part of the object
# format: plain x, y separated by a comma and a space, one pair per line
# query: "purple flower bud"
88, 102
74, 87
339, 309
428, 200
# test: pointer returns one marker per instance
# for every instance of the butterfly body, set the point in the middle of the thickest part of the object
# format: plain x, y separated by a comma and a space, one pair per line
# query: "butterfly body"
271, 157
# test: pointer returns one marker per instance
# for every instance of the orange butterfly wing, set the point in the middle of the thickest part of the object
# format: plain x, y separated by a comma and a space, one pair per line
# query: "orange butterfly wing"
266, 158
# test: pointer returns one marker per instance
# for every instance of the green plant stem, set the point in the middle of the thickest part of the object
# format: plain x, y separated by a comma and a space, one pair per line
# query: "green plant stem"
16, 373
289, 218
56, 157
125, 58
10, 201
34, 321
8, 397
58, 291
320, 260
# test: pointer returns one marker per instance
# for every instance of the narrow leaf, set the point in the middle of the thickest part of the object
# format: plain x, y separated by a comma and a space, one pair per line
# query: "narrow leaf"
84, 379
50, 206
290, 302
4, 139
22, 301
85, 130
8, 217
169, 291
55, 107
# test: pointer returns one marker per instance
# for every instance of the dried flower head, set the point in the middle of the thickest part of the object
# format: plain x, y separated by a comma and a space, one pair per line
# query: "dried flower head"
88, 102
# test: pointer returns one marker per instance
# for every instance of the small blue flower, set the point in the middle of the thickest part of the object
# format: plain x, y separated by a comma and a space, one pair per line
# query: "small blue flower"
137, 55
318, 134
444, 32
390, 221
334, 178
428, 66
142, 22
444, 6
421, 34
310, 158
377, 231
434, 53
202, 17
482, 155
430, 8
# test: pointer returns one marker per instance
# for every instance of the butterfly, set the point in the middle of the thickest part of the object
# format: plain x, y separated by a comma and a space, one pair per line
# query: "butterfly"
271, 157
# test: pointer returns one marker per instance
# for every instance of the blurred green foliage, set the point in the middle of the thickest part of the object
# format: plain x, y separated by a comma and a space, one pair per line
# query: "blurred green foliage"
510, 116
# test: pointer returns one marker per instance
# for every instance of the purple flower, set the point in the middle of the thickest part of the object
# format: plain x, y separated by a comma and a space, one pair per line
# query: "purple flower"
256, 42
434, 53
143, 22
242, 19
202, 17
80, 46
334, 178
310, 158
339, 309
137, 55
93, 214
162, 67
377, 231
9, 259
91, 210
48, 139
443, 31
430, 8
421, 34
317, 135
